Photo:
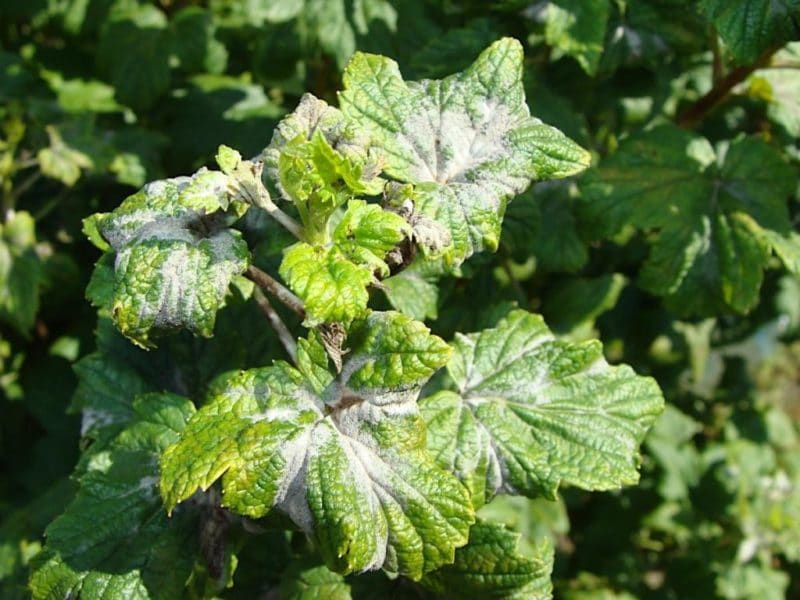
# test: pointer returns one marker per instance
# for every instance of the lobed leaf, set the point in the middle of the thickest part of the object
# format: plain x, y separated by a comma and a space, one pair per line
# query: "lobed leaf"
348, 465
173, 256
715, 218
112, 540
531, 412
468, 140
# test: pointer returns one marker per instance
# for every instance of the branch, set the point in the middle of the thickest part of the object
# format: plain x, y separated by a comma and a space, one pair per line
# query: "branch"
284, 335
697, 111
274, 287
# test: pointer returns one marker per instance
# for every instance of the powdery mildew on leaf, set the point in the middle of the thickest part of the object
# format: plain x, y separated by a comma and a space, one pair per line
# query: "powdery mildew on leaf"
174, 256
349, 467
468, 139
531, 412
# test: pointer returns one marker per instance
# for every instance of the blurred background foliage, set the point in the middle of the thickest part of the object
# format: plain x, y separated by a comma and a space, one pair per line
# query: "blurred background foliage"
99, 96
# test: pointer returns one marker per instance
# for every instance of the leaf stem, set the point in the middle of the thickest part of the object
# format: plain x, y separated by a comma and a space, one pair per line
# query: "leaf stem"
281, 217
284, 335
277, 289
697, 111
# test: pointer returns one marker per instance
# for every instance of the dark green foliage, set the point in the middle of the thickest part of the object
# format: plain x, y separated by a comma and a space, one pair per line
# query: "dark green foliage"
678, 249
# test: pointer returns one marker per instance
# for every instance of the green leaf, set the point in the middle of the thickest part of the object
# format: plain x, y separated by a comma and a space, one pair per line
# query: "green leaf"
174, 257
452, 50
195, 45
578, 302
233, 111
468, 141
335, 28
114, 540
669, 445
577, 28
490, 566
412, 293
351, 470
389, 353
21, 271
332, 280
367, 228
140, 77
752, 581
531, 412
78, 95
331, 287
305, 581
61, 161
714, 218
106, 390
750, 27
542, 223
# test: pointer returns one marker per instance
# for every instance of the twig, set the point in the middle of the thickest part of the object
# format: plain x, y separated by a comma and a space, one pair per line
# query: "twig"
274, 287
284, 335
23, 187
697, 111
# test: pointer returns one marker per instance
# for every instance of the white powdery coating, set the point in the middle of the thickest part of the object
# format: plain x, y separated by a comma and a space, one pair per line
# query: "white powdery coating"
183, 273
91, 417
291, 495
450, 143
292, 498
476, 374
147, 485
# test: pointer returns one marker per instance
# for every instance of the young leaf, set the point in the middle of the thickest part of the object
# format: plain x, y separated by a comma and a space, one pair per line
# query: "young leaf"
531, 412
467, 140
715, 219
319, 162
174, 257
113, 539
348, 465
750, 27
332, 287
490, 566
332, 279
20, 272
